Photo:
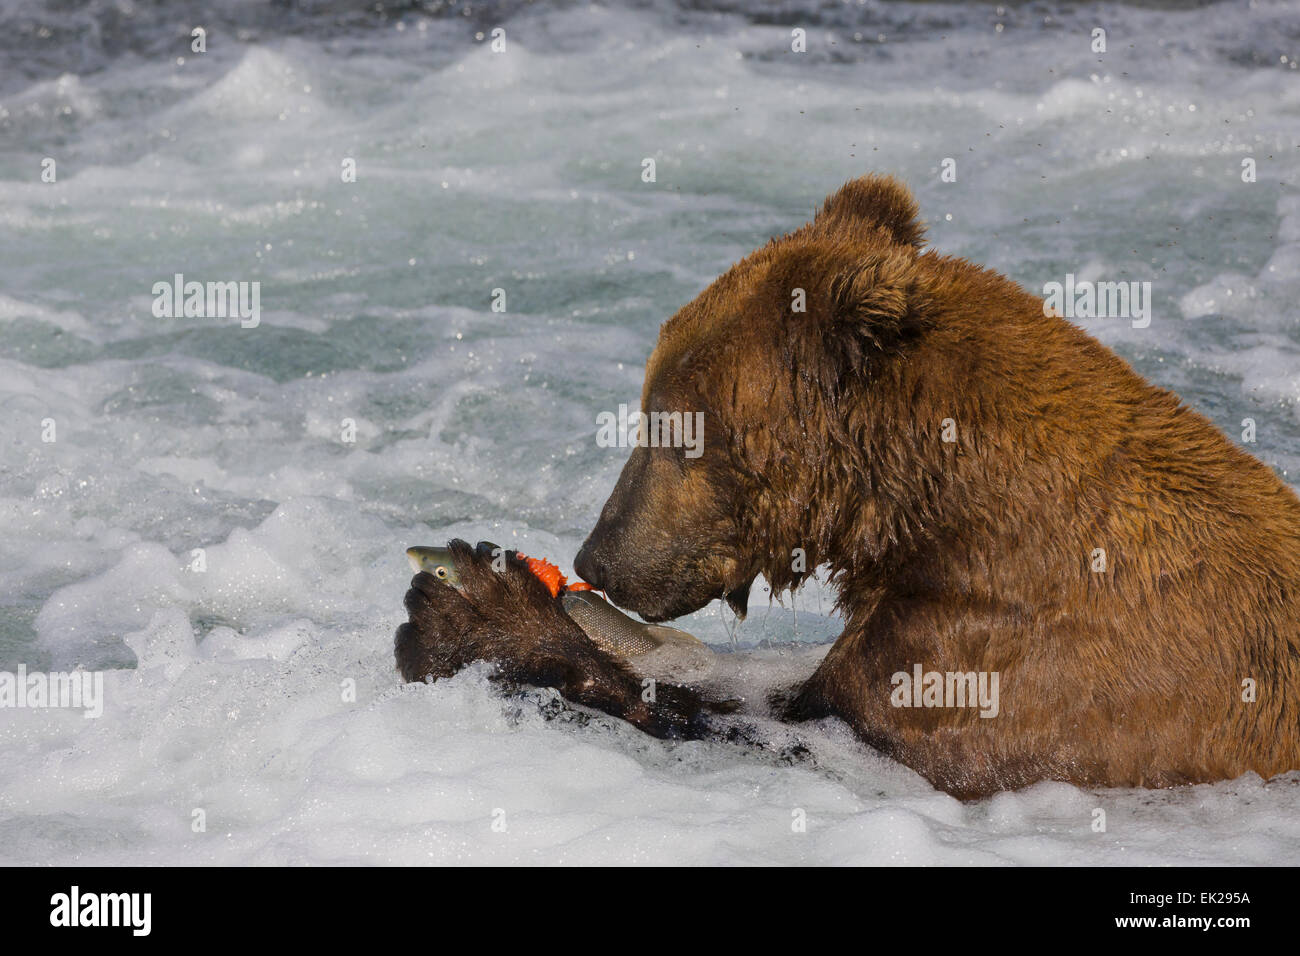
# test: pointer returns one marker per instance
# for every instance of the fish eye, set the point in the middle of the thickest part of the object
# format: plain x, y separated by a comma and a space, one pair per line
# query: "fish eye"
441, 572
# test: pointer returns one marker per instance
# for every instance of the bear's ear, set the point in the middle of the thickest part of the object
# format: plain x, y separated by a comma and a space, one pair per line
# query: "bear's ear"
877, 203
877, 305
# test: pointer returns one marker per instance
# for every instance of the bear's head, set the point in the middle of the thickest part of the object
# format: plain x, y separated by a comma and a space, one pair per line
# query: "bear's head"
775, 359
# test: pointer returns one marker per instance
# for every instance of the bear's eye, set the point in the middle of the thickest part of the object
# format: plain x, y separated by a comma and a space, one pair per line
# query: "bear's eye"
441, 572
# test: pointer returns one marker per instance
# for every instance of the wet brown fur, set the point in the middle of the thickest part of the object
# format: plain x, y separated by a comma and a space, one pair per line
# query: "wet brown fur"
823, 433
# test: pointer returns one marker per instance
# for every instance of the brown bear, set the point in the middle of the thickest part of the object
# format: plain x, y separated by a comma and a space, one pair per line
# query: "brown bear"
1005, 504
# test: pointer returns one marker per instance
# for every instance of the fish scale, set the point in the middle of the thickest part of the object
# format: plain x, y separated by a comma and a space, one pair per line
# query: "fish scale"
612, 630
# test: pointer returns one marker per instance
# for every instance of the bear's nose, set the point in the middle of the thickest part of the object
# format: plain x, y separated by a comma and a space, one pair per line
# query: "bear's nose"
589, 567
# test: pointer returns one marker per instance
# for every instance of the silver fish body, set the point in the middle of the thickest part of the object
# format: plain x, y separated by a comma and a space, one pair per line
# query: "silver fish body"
615, 632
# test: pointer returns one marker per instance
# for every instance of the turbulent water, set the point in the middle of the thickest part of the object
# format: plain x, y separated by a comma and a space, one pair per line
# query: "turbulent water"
181, 506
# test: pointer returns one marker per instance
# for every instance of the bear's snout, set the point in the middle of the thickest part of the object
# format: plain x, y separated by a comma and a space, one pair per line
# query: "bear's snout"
589, 568
634, 582
600, 565
654, 549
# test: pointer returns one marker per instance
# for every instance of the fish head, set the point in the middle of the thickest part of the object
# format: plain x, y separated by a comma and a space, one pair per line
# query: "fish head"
435, 561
